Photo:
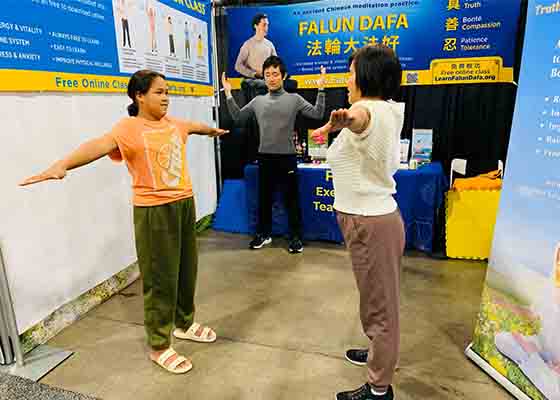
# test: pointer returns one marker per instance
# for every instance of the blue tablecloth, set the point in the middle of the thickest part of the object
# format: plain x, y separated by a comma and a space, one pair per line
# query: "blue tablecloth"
419, 195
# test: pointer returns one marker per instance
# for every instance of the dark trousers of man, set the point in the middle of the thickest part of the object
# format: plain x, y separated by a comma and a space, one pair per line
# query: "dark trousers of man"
278, 170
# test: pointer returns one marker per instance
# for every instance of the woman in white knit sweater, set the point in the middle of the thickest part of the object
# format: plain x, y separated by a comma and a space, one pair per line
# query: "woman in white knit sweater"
363, 158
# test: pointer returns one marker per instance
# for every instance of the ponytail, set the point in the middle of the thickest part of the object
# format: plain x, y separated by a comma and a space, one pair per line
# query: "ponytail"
133, 109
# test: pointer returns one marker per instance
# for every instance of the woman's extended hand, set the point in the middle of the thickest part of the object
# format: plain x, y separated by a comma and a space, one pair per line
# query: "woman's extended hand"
341, 118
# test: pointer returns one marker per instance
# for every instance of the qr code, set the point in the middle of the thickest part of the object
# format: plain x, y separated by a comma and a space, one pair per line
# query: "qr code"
412, 77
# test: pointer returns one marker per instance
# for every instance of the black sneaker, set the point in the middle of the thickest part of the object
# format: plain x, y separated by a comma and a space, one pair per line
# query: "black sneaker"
295, 246
259, 241
364, 393
357, 356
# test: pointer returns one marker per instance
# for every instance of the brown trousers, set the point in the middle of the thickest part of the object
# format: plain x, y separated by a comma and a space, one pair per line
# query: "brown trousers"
376, 246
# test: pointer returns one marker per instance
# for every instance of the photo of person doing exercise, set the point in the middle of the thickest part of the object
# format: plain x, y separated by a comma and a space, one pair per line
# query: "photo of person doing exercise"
538, 356
187, 41
123, 15
151, 14
200, 46
171, 37
255, 50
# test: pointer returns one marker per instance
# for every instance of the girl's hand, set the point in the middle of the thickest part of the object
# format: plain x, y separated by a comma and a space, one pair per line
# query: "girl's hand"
217, 132
56, 171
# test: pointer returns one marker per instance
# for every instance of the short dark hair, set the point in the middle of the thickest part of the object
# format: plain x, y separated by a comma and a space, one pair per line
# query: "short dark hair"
275, 61
378, 71
257, 20
140, 82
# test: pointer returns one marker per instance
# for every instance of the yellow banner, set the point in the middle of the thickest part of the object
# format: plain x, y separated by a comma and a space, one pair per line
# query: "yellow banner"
470, 70
441, 72
34, 81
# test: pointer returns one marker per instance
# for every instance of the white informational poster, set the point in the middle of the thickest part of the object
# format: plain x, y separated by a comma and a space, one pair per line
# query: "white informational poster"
94, 46
152, 35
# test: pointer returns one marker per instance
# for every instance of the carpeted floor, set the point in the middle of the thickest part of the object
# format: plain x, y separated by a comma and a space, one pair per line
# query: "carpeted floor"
16, 388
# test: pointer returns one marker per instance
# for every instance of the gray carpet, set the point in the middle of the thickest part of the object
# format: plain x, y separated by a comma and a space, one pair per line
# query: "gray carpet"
16, 388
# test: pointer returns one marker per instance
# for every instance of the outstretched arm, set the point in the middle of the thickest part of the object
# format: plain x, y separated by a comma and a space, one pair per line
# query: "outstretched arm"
356, 119
86, 153
198, 128
236, 113
318, 110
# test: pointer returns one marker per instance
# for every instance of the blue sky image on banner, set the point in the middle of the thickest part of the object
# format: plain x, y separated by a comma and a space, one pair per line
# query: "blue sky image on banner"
519, 323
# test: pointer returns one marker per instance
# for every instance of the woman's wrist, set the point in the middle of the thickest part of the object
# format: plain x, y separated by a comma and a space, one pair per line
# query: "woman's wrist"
361, 120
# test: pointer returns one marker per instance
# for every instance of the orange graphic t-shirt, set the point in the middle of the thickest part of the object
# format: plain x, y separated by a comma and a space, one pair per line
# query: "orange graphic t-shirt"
155, 155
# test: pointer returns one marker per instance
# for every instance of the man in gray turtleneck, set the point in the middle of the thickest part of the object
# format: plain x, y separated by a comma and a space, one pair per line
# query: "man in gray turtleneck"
276, 114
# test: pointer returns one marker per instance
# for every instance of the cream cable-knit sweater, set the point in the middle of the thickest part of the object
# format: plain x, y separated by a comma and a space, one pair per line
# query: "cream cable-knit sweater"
363, 164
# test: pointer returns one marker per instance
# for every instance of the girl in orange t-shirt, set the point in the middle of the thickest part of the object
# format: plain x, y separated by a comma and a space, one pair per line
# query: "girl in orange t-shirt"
153, 146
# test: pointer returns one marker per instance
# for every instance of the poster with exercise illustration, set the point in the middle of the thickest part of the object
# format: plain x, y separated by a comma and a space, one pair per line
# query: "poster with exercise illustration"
94, 45
518, 328
167, 40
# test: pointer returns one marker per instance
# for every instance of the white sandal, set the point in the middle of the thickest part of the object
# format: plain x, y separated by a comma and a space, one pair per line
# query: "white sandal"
190, 334
173, 366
